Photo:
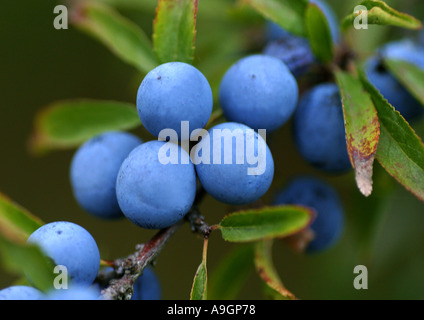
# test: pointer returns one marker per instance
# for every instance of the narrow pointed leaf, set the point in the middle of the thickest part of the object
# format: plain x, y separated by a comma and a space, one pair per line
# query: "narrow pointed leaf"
411, 77
199, 287
400, 151
362, 129
16, 223
319, 33
123, 37
175, 30
265, 223
380, 13
67, 124
289, 14
28, 260
227, 280
266, 270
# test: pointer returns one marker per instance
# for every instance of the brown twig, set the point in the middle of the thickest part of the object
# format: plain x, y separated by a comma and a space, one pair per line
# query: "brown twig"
127, 270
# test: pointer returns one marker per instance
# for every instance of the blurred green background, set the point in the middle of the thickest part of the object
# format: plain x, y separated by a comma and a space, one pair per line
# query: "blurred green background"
39, 65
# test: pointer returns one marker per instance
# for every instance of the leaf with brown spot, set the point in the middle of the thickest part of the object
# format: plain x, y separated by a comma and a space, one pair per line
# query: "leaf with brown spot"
362, 128
400, 151
266, 270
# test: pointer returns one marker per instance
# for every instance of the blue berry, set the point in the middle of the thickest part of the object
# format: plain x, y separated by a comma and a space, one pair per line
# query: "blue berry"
294, 51
329, 222
94, 170
68, 244
75, 292
259, 91
240, 179
147, 286
21, 293
171, 93
393, 90
151, 193
319, 130
405, 50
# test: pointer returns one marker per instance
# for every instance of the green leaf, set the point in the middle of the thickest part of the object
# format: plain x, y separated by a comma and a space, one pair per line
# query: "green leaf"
123, 37
28, 260
411, 77
16, 223
67, 124
199, 287
175, 30
362, 128
381, 14
319, 33
266, 270
400, 151
265, 223
289, 14
232, 272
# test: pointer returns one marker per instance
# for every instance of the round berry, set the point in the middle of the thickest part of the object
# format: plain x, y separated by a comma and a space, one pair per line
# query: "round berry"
94, 169
234, 164
147, 286
320, 196
21, 293
294, 51
259, 91
156, 185
319, 130
405, 50
72, 246
171, 93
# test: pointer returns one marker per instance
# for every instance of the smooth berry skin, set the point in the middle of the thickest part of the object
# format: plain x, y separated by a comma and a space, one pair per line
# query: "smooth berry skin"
323, 198
154, 195
294, 51
71, 245
94, 170
230, 183
259, 91
147, 286
21, 293
405, 50
171, 93
75, 292
393, 90
319, 131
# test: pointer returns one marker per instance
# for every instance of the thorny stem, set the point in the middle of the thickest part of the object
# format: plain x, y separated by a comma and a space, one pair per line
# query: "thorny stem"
130, 268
